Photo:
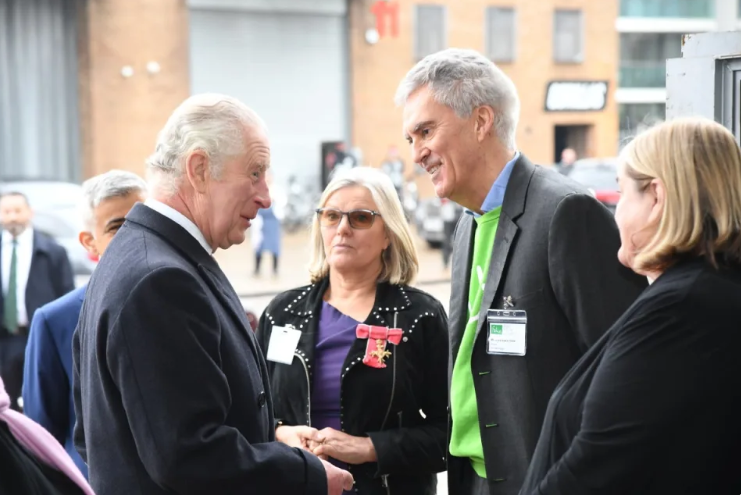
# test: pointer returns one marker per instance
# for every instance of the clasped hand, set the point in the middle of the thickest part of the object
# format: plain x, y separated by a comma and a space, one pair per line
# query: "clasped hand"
328, 442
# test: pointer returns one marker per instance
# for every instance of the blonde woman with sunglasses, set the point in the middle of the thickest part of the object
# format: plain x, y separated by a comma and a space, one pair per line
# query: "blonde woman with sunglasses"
358, 360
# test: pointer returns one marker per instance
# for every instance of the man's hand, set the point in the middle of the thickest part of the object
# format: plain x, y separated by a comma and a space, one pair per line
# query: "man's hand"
295, 436
343, 447
337, 479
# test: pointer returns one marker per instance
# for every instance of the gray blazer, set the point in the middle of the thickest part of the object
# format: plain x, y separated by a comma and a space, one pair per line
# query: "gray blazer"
554, 256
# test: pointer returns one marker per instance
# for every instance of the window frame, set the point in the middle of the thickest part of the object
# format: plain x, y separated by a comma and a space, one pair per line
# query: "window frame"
415, 45
580, 57
488, 33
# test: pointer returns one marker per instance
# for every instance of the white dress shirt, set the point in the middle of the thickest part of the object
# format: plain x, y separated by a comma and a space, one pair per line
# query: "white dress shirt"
24, 254
179, 219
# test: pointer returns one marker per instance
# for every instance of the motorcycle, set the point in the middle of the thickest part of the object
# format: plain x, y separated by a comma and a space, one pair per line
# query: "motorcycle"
299, 207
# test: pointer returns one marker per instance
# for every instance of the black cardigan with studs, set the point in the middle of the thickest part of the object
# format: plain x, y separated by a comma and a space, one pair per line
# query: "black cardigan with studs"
402, 407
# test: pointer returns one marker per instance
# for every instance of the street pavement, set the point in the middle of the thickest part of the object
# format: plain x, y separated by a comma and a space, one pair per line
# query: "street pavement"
256, 292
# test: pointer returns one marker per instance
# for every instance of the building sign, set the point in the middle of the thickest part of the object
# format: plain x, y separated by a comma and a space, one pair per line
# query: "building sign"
576, 96
387, 15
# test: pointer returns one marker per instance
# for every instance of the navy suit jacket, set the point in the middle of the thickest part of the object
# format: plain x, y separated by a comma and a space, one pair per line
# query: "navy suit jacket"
47, 384
50, 276
171, 391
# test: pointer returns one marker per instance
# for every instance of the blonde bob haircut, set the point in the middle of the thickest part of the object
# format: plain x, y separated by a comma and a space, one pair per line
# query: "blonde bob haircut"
400, 263
699, 163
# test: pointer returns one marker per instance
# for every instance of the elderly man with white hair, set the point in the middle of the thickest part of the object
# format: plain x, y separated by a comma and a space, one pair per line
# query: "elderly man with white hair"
171, 390
536, 280
47, 377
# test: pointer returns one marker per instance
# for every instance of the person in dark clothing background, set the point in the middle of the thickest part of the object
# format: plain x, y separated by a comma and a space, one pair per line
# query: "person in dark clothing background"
35, 270
566, 165
653, 406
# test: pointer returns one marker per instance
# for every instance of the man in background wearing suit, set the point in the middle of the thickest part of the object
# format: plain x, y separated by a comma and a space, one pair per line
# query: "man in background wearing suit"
530, 241
35, 270
171, 392
47, 383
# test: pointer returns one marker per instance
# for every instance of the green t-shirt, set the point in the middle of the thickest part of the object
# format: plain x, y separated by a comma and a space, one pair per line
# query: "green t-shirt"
465, 440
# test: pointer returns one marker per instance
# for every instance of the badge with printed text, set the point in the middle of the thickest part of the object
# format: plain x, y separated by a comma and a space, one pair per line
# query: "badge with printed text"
282, 345
507, 332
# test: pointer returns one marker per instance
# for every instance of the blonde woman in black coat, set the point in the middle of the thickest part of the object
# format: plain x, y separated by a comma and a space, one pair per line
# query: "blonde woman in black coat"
654, 406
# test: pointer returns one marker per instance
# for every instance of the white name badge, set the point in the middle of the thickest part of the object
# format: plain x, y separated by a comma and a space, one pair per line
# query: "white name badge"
282, 345
507, 332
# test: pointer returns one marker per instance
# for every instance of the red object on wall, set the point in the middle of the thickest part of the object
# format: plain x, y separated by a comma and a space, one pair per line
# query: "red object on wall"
610, 197
386, 13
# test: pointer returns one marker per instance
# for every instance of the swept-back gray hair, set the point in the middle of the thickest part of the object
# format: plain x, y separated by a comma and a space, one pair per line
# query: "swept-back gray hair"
463, 80
209, 122
112, 184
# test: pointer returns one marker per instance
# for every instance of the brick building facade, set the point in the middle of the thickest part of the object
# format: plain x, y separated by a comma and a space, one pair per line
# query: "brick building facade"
377, 69
138, 59
123, 104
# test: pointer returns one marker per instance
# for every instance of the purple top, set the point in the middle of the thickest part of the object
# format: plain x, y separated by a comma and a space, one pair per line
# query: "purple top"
336, 334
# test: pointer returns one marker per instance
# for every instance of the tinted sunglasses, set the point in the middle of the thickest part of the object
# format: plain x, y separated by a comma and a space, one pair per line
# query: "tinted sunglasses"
359, 219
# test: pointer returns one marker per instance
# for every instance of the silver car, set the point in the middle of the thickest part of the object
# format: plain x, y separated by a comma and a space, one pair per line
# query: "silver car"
429, 221
57, 213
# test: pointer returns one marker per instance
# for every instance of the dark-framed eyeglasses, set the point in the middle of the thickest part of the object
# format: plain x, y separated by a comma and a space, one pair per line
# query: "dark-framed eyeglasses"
359, 219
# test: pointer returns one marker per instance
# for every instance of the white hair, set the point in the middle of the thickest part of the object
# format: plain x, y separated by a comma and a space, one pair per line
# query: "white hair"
112, 184
400, 261
464, 80
212, 123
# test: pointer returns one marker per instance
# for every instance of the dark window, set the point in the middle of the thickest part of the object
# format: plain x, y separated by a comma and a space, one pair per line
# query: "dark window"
429, 36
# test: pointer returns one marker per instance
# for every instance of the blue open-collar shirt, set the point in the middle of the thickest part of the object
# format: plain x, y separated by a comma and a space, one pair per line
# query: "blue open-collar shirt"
495, 197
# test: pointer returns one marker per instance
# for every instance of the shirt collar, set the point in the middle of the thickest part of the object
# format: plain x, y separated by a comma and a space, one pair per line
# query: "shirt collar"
495, 197
26, 237
179, 219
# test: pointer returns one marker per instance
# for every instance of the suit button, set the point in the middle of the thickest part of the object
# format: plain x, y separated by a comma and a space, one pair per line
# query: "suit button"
261, 399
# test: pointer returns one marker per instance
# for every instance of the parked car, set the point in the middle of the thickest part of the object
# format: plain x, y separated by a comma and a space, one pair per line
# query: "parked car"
56, 207
429, 221
600, 176
410, 200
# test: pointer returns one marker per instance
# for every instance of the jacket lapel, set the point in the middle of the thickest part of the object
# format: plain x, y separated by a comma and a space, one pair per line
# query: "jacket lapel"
461, 265
514, 205
223, 289
181, 240
40, 248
